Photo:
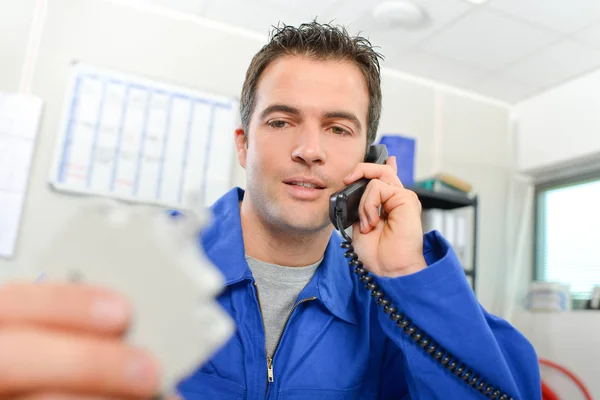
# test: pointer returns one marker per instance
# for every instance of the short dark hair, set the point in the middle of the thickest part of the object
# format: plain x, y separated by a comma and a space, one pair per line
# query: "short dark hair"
320, 42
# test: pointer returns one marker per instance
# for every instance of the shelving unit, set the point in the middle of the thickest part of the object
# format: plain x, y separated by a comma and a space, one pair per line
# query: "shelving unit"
449, 201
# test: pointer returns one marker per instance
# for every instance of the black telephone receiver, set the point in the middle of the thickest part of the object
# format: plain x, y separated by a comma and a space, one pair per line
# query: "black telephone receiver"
343, 205
343, 212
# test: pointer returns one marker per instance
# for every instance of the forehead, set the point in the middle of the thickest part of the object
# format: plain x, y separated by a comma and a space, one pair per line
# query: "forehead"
314, 85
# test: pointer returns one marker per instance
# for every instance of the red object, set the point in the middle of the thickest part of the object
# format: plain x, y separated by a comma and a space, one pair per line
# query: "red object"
548, 394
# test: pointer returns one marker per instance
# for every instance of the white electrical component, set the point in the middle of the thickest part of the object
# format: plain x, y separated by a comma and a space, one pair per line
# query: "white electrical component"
403, 14
156, 262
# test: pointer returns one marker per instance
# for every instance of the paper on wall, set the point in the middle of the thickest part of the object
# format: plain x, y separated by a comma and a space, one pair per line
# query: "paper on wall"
19, 120
141, 140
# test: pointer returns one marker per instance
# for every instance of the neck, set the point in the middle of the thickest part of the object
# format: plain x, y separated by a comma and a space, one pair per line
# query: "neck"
279, 246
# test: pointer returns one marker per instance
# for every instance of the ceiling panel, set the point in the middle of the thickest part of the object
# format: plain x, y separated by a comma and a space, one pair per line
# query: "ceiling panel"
564, 16
237, 13
187, 6
308, 9
347, 12
438, 68
488, 40
556, 64
590, 35
395, 41
302, 4
506, 49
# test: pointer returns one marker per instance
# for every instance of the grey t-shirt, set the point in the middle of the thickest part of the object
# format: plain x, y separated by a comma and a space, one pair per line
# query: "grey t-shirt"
278, 289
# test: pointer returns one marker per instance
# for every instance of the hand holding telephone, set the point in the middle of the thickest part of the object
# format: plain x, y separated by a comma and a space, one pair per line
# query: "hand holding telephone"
343, 212
343, 205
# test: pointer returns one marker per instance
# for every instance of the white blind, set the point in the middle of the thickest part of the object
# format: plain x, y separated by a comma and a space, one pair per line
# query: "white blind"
569, 236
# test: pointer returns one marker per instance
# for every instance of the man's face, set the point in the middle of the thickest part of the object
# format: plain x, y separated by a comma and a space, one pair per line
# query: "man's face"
307, 132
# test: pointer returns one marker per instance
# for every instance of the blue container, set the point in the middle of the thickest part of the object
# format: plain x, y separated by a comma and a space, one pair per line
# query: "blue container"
403, 148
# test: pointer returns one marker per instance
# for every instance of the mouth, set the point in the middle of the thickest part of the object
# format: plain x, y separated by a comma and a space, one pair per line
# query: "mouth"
304, 185
308, 183
305, 188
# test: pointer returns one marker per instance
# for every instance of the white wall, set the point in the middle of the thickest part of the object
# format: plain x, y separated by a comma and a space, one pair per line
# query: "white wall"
561, 126
457, 132
468, 137
476, 147
15, 21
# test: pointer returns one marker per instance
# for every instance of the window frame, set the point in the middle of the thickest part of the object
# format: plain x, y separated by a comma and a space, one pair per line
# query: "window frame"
539, 188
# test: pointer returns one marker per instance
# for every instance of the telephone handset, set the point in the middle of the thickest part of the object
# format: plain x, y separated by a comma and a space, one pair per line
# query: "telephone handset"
343, 205
343, 213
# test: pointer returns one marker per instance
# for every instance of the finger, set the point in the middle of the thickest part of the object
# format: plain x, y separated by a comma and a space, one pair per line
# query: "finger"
68, 306
376, 194
384, 173
60, 396
402, 198
365, 211
391, 161
35, 359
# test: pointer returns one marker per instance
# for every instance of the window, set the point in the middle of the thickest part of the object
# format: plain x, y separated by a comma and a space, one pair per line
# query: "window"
568, 234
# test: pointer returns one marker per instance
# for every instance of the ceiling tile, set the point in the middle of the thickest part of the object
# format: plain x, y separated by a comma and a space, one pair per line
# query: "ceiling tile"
436, 67
590, 35
316, 7
187, 6
299, 11
236, 12
348, 12
488, 40
357, 14
561, 15
556, 64
502, 88
440, 16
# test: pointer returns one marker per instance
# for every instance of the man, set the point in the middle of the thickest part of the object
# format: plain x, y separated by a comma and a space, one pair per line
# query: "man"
306, 327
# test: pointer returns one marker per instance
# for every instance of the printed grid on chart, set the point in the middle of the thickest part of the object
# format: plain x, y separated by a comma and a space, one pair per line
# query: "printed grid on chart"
145, 143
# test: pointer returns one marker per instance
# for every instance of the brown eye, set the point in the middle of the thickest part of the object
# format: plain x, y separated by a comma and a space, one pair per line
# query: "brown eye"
339, 131
277, 124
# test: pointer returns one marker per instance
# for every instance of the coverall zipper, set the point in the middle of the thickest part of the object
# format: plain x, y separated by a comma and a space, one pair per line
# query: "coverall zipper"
270, 374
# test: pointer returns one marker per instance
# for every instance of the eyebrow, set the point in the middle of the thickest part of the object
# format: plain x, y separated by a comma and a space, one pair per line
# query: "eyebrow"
279, 108
344, 115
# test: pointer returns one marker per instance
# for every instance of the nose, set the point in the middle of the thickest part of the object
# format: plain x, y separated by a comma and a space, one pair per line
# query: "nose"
309, 148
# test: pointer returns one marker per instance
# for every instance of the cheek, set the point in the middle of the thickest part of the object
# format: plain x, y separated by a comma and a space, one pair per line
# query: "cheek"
344, 160
263, 158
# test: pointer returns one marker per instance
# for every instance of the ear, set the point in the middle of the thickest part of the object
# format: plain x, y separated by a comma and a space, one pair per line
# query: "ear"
241, 146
